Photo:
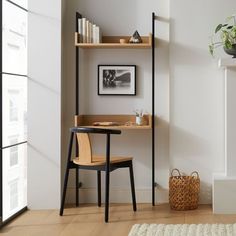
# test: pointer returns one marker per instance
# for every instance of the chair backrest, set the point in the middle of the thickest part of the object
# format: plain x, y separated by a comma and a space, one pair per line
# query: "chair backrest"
85, 149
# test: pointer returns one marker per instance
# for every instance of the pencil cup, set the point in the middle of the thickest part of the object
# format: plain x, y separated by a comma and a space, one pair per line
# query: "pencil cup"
139, 120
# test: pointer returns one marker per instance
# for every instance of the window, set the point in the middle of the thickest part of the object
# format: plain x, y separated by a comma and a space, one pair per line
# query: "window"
13, 107
14, 39
13, 196
13, 152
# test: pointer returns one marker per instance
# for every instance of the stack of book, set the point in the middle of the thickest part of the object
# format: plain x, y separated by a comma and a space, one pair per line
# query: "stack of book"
88, 32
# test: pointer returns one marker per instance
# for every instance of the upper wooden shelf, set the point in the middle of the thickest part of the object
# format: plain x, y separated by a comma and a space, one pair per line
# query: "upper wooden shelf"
114, 42
122, 121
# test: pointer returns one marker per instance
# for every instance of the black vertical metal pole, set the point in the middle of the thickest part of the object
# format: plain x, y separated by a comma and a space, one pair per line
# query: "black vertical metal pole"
153, 109
1, 175
77, 69
107, 182
77, 108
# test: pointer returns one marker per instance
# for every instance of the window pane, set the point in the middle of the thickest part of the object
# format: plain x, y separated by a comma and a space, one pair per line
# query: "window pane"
14, 39
14, 180
13, 151
14, 106
22, 3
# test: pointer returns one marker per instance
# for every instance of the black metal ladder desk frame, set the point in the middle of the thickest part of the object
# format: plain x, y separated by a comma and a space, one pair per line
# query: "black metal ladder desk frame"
78, 15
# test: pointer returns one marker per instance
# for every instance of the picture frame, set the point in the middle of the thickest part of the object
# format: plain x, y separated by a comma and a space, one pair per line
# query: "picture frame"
117, 80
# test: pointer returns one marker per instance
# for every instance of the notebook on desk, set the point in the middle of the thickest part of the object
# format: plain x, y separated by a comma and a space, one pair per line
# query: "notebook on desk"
106, 123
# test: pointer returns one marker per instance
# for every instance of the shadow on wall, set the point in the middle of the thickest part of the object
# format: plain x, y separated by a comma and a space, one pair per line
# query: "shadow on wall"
162, 161
42, 154
188, 154
163, 19
187, 144
191, 52
162, 60
205, 193
188, 55
43, 86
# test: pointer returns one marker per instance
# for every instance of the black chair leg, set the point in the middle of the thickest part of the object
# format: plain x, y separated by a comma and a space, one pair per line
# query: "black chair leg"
99, 187
77, 186
64, 191
132, 186
66, 175
107, 195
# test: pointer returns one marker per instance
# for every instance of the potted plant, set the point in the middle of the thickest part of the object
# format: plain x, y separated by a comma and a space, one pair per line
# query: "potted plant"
225, 35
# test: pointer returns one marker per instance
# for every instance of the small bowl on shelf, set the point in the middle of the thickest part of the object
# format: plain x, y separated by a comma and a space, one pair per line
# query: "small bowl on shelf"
123, 41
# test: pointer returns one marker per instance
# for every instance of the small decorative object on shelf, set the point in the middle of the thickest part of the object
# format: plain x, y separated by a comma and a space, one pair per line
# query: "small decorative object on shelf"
135, 38
139, 117
123, 41
225, 35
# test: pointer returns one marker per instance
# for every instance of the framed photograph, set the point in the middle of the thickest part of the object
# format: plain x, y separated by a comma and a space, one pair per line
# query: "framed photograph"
117, 80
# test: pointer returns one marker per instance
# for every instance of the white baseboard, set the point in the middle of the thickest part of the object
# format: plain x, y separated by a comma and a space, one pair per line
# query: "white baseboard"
117, 195
122, 195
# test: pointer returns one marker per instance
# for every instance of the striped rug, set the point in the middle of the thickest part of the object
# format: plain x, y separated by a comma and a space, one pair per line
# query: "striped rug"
183, 230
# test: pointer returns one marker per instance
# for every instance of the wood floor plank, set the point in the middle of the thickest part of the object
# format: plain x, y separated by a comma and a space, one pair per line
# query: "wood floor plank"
88, 220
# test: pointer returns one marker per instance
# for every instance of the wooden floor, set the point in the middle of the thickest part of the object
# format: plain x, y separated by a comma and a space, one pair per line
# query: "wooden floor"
88, 220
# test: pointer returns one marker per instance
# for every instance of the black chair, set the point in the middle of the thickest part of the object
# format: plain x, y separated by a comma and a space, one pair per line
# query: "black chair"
88, 161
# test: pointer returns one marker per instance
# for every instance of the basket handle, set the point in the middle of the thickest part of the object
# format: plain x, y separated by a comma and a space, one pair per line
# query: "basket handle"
175, 170
195, 172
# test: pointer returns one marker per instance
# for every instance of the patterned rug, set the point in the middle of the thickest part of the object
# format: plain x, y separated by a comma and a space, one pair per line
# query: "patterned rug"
183, 230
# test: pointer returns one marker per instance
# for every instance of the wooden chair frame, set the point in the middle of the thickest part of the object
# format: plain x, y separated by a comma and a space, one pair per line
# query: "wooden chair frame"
107, 167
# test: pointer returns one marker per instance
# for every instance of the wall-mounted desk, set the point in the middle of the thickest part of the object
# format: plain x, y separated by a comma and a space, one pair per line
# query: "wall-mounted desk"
122, 122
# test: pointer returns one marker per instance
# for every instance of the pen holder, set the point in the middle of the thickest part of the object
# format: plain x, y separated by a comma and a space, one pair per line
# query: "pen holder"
139, 120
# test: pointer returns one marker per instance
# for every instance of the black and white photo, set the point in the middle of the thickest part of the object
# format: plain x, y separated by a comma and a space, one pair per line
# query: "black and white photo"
116, 80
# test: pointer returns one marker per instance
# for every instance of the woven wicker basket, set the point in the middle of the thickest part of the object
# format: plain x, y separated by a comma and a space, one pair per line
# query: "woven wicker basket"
184, 191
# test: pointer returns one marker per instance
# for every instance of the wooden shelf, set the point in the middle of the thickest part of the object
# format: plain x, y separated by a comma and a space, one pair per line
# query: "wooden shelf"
124, 121
114, 42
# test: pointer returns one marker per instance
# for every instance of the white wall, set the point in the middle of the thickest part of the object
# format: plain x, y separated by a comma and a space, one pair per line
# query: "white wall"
120, 20
196, 90
44, 104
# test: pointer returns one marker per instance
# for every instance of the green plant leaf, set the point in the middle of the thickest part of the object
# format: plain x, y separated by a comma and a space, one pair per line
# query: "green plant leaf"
228, 44
229, 18
218, 27
229, 27
224, 35
233, 33
211, 49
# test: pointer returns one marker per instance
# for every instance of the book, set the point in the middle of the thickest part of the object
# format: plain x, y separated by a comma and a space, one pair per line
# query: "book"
87, 32
98, 34
94, 34
80, 30
84, 30
91, 32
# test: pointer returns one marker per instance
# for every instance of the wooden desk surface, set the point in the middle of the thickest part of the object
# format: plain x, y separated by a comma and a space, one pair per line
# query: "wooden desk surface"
124, 122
